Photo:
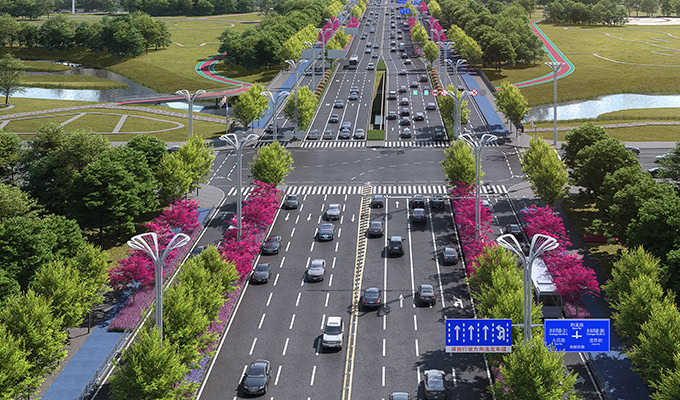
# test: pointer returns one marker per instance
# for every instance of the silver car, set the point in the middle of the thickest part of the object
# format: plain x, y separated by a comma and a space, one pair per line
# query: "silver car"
359, 134
290, 201
434, 385
333, 212
316, 271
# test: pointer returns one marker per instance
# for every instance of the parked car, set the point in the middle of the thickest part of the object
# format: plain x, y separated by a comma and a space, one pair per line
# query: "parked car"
261, 273
272, 245
256, 379
375, 229
333, 333
371, 298
316, 271
425, 295
377, 201
434, 385
290, 201
326, 232
449, 256
333, 212
395, 246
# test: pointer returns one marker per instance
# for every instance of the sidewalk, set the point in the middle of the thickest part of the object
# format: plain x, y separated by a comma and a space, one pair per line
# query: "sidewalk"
95, 349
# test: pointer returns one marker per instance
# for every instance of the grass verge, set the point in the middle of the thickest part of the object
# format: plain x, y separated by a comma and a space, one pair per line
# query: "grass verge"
375, 134
26, 105
44, 66
70, 82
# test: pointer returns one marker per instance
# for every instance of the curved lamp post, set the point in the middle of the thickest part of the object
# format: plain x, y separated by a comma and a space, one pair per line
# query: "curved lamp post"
189, 98
555, 67
539, 245
458, 63
295, 64
148, 243
323, 50
274, 99
238, 145
477, 145
458, 110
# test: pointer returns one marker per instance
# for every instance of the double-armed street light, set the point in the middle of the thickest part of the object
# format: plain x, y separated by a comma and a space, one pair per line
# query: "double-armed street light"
190, 98
238, 145
478, 145
274, 99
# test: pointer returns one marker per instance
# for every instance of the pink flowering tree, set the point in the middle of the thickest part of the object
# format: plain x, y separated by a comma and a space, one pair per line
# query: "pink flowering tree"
241, 253
260, 207
463, 202
422, 7
181, 214
546, 221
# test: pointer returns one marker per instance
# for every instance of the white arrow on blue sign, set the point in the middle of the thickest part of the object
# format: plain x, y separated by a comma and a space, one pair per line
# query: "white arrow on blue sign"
577, 335
478, 335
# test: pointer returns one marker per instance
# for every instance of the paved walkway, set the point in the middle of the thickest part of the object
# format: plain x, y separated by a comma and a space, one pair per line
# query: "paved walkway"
95, 350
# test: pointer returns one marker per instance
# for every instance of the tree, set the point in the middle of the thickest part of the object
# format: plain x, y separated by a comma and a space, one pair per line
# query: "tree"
497, 49
661, 331
271, 164
152, 148
305, 109
578, 139
634, 308
533, 372
10, 155
11, 70
657, 226
184, 321
220, 270
60, 283
668, 388
595, 161
251, 105
459, 163
546, 172
58, 33
446, 106
649, 6
512, 103
30, 318
671, 164
174, 177
431, 51
15, 202
149, 371
197, 158
632, 264
15, 377
9, 29
92, 264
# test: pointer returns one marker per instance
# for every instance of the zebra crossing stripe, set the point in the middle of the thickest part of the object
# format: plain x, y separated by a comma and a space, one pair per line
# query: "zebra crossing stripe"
416, 143
388, 190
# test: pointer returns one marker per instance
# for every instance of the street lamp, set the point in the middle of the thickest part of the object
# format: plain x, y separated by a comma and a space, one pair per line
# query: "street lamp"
555, 67
447, 62
457, 106
477, 145
539, 244
455, 66
444, 46
238, 145
189, 98
432, 22
148, 243
323, 51
295, 64
274, 99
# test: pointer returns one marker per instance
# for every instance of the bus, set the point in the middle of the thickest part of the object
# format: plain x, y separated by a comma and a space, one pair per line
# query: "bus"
545, 290
354, 60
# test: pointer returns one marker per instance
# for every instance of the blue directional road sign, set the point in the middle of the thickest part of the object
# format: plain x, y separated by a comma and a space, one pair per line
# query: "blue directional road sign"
577, 335
405, 11
402, 1
415, 2
478, 335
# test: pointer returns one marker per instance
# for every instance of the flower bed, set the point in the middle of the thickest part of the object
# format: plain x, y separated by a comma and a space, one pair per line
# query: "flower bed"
463, 202
138, 270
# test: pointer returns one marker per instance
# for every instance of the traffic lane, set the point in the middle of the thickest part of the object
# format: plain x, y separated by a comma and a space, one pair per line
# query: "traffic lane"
647, 156
343, 83
378, 166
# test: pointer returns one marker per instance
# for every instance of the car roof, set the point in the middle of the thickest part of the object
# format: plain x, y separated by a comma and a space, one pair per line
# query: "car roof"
334, 321
326, 226
317, 263
434, 372
426, 286
372, 290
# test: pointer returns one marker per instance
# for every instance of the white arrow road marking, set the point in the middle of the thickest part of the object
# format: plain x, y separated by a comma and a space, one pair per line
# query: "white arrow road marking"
401, 301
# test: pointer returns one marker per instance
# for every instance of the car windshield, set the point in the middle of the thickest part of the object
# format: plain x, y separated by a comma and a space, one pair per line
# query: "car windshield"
435, 382
326, 227
376, 224
371, 293
449, 252
427, 290
292, 197
419, 212
272, 240
256, 370
332, 330
262, 267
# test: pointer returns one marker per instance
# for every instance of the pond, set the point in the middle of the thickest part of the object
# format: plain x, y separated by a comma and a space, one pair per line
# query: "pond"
601, 105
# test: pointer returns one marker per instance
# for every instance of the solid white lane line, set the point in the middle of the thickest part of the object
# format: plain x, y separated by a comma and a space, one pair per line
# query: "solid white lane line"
330, 281
383, 347
333, 265
328, 294
285, 347
297, 302
383, 375
292, 232
410, 251
269, 298
311, 381
282, 260
276, 279
453, 374
417, 351
287, 246
259, 326
323, 320
292, 321
278, 373
252, 347
415, 322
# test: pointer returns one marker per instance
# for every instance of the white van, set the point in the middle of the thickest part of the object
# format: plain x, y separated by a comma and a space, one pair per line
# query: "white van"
333, 333
545, 290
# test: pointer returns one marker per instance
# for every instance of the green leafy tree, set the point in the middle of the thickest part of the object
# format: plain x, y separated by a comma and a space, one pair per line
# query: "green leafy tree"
446, 106
197, 158
15, 377
220, 269
594, 162
633, 309
11, 70
207, 290
92, 264
15, 202
271, 164
9, 29
491, 259
657, 226
533, 372
61, 284
149, 371
661, 331
668, 388
579, 138
431, 51
58, 33
30, 318
251, 105
512, 103
152, 148
459, 163
48, 138
671, 164
184, 321
305, 109
546, 172
632, 264
649, 6
174, 177
497, 49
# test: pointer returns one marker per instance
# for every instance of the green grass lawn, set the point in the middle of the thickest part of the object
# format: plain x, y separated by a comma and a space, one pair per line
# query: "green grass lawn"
102, 123
133, 124
70, 82
25, 105
44, 66
595, 77
375, 134
32, 125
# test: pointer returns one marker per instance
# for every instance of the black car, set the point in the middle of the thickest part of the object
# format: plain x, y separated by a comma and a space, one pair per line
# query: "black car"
418, 215
272, 245
405, 121
419, 116
371, 298
449, 256
437, 201
403, 89
375, 229
515, 230
256, 379
290, 201
395, 246
425, 295
422, 78
405, 112
403, 102
326, 232
414, 84
316, 271
261, 273
402, 72
418, 201
377, 201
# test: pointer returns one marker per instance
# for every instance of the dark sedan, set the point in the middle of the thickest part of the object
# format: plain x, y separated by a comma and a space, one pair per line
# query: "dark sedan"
449, 256
375, 229
371, 298
418, 215
326, 232
256, 379
377, 201
272, 245
425, 295
261, 273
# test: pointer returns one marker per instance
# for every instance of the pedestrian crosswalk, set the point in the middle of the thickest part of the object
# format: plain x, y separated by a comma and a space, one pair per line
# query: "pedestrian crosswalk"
417, 143
388, 190
390, 143
333, 143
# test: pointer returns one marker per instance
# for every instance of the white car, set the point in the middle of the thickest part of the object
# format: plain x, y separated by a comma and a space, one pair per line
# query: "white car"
370, 66
333, 333
359, 134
